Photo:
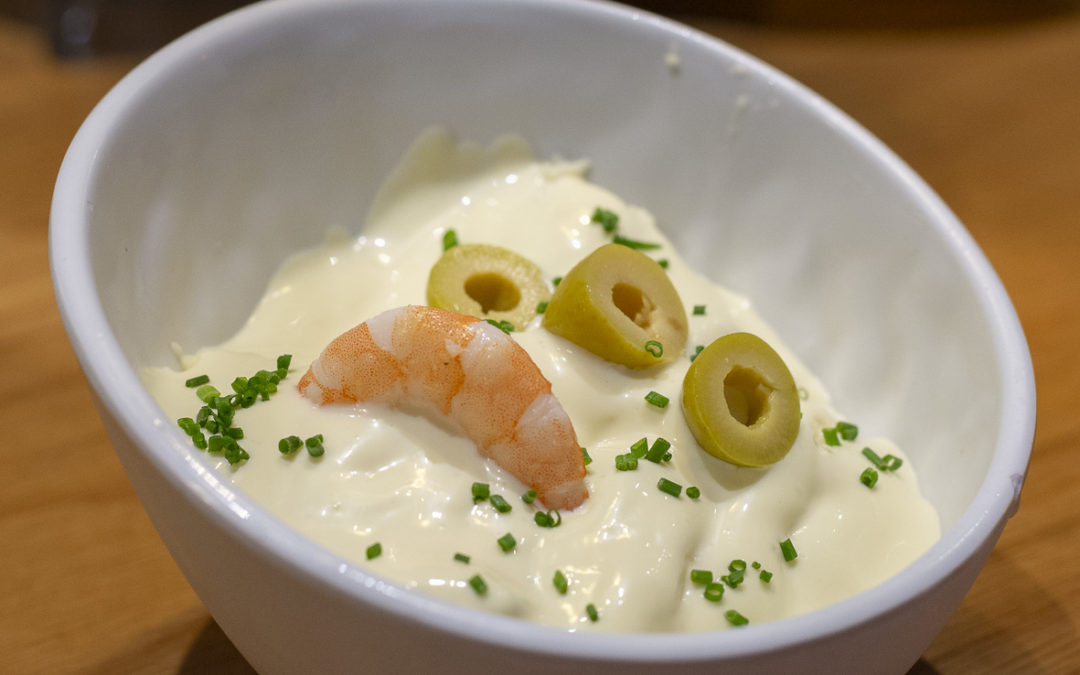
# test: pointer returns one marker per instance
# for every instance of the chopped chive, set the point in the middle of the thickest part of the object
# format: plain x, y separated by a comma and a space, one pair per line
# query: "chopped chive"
207, 393
529, 497
735, 619
217, 443
550, 518
507, 542
541, 306
737, 566
662, 262
625, 462
831, 436
847, 430
585, 456
235, 454
733, 579
478, 585
197, 381
658, 450
188, 425
240, 385
639, 448
283, 362
670, 487
234, 432
461, 557
315, 445
590, 609
765, 576
503, 325
199, 441
373, 551
560, 582
655, 348
634, 243
873, 457
606, 219
714, 591
693, 492
788, 549
657, 399
449, 240
289, 444
480, 491
868, 477
701, 577
699, 310
500, 504
697, 350
555, 281
756, 565
204, 416
892, 462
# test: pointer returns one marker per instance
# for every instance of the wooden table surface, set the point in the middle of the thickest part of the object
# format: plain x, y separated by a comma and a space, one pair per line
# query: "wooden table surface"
989, 115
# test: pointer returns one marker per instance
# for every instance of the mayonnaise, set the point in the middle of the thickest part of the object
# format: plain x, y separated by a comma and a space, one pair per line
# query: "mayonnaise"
404, 481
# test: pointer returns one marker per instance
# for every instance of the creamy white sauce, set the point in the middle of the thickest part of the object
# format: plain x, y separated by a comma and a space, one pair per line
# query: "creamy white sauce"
404, 481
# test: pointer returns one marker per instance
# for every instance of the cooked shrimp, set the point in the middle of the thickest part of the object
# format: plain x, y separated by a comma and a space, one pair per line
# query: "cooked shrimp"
472, 374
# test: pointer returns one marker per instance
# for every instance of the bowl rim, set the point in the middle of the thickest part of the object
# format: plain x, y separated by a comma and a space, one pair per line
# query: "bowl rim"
139, 417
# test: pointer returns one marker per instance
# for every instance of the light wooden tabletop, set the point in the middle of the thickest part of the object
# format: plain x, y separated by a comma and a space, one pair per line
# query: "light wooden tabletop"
988, 115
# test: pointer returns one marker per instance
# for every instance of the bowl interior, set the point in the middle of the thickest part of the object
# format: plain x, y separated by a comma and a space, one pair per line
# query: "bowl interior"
214, 167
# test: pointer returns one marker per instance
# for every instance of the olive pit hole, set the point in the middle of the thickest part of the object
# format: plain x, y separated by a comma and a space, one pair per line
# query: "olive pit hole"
494, 292
747, 395
633, 303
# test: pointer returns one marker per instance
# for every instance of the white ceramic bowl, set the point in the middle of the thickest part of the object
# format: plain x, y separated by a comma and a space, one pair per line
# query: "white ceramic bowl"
205, 160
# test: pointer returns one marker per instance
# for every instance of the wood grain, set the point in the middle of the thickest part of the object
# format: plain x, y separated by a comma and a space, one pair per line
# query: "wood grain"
987, 114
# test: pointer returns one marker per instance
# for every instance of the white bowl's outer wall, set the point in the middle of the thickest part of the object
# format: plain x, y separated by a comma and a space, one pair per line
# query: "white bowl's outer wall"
247, 138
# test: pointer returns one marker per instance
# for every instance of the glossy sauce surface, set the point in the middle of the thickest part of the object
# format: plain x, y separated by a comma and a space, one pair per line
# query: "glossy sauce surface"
404, 480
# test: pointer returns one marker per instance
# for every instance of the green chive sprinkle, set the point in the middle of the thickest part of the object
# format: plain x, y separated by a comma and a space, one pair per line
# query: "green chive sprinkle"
737, 566
548, 519
697, 350
657, 399
197, 381
693, 492
735, 619
655, 348
507, 542
590, 609
235, 432
847, 430
670, 487
702, 577
832, 437
289, 445
503, 325
529, 497
449, 240
714, 591
315, 445
478, 585
373, 551
868, 477
733, 579
461, 557
788, 549
199, 441
188, 425
639, 448
625, 462
658, 450
699, 310
765, 576
662, 262
480, 491
560, 582
207, 393
606, 219
634, 243
892, 462
541, 307
555, 281
756, 565
283, 361
500, 504
585, 456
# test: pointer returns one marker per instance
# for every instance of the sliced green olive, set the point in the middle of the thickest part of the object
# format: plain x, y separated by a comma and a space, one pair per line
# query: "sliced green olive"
619, 304
489, 282
741, 402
